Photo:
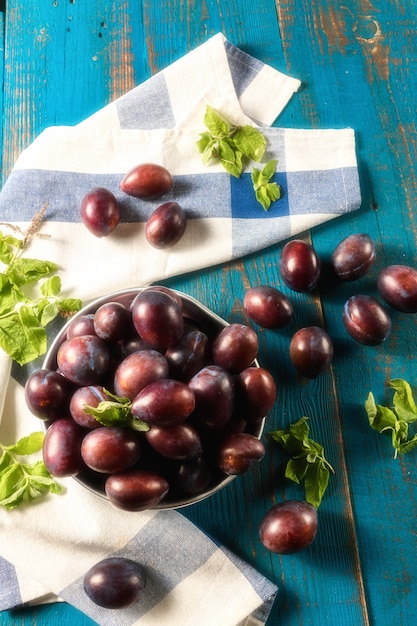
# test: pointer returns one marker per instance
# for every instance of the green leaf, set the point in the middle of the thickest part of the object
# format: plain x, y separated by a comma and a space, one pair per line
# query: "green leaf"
215, 123
296, 468
28, 445
35, 334
265, 191
229, 158
138, 425
51, 287
269, 169
24, 270
21, 482
396, 419
250, 142
403, 400
6, 253
308, 463
315, 483
9, 478
5, 459
205, 142
408, 446
109, 413
380, 417
69, 305
46, 311
16, 497
13, 339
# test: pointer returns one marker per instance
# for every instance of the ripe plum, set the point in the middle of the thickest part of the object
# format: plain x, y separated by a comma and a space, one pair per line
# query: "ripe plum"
164, 402
110, 449
214, 397
115, 583
238, 452
82, 325
166, 225
397, 284
138, 370
300, 265
235, 347
91, 395
157, 318
311, 351
193, 477
353, 257
100, 211
84, 360
267, 306
47, 394
136, 490
181, 442
147, 181
256, 393
112, 321
366, 320
62, 448
289, 527
189, 355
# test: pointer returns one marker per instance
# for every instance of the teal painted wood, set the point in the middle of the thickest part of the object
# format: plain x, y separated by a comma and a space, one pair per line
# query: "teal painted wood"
64, 60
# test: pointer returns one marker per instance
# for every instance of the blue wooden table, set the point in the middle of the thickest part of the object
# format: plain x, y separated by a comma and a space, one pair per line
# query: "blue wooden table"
61, 60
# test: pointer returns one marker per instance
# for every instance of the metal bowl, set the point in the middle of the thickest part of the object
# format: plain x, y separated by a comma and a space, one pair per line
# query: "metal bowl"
209, 323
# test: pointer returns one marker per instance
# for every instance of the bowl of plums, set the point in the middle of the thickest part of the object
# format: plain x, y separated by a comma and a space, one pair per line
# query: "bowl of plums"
151, 400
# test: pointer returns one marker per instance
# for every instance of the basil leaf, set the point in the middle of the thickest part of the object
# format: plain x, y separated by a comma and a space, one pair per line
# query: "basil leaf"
408, 446
265, 191
315, 483
296, 468
215, 123
229, 158
308, 463
380, 417
403, 400
250, 142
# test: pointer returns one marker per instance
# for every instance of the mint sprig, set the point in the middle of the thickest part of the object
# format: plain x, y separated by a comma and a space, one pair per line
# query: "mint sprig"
307, 464
395, 420
265, 190
229, 143
29, 295
116, 412
20, 481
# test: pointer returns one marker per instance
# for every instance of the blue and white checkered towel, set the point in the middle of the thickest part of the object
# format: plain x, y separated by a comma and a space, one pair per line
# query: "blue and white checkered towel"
46, 548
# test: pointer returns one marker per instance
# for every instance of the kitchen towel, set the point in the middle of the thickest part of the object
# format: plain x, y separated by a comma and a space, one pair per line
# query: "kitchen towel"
45, 548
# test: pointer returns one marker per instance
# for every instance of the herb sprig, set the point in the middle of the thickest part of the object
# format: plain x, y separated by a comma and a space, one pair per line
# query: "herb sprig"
20, 481
307, 463
29, 295
265, 190
233, 146
116, 412
395, 420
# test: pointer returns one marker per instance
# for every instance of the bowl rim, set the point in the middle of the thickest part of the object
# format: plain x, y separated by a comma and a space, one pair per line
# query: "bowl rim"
128, 294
